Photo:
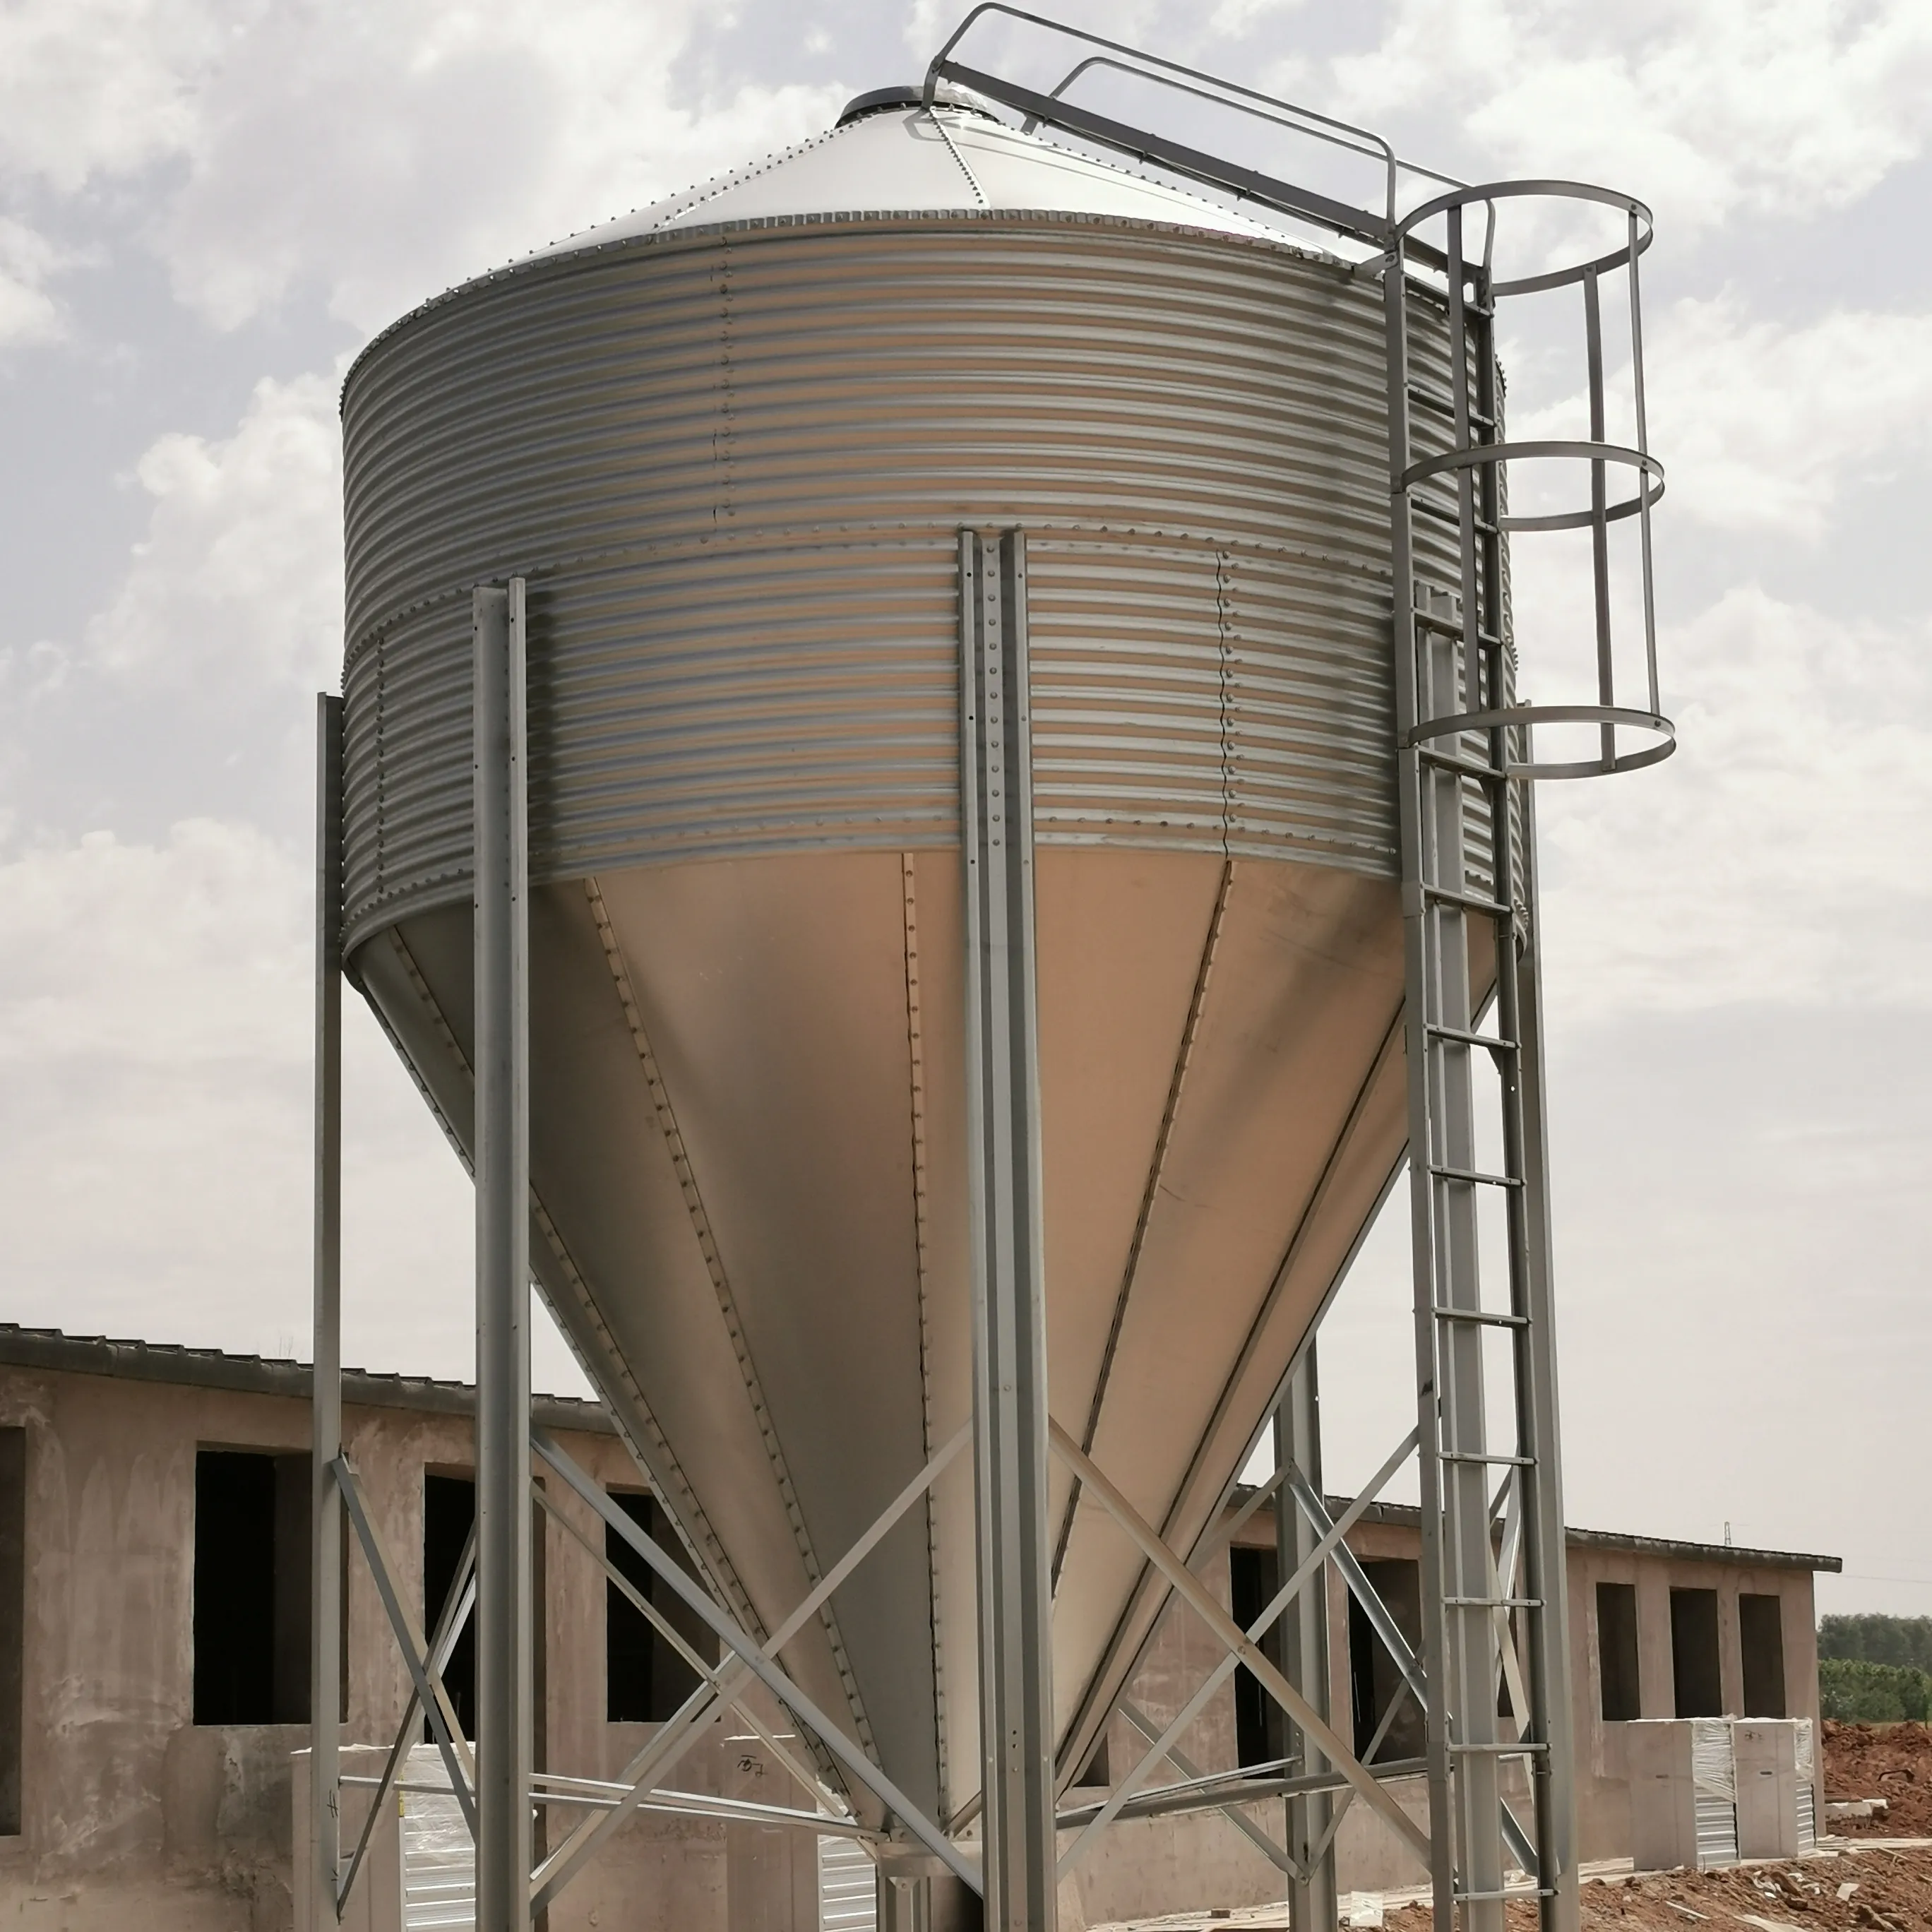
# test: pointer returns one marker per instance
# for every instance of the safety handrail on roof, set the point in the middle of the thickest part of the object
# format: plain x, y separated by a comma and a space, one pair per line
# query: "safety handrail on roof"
1052, 108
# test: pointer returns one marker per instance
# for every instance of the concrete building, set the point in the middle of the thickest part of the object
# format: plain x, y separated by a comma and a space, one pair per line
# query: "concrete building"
154, 1613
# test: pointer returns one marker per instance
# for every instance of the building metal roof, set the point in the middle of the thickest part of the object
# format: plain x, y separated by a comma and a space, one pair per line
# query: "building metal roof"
170, 1362
263, 1374
1406, 1516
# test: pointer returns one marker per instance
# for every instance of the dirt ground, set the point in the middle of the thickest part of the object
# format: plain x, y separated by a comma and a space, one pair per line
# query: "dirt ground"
1893, 1762
1884, 1890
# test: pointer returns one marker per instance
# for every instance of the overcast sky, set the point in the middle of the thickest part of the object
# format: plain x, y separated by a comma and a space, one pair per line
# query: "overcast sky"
207, 206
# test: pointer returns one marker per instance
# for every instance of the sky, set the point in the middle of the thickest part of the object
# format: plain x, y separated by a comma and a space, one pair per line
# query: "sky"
208, 206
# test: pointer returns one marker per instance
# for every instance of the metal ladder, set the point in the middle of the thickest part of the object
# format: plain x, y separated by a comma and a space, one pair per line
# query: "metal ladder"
1464, 764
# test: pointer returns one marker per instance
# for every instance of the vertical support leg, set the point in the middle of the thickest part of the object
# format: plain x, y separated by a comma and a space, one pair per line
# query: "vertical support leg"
1311, 1900
1009, 1327
1545, 1545
502, 969
324, 1664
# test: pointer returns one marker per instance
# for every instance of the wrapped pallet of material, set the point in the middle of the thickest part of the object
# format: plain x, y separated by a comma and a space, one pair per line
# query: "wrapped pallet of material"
1683, 1788
1807, 1790
1765, 1753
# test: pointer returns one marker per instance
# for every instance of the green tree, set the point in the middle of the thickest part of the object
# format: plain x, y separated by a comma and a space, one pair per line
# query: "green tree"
1902, 1642
1872, 1693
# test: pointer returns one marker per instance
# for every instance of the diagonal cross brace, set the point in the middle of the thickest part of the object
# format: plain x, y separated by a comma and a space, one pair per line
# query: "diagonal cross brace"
1281, 1861
687, 1724
1310, 1565
455, 1614
1389, 1631
706, 1673
449, 1739
760, 1663
1240, 1646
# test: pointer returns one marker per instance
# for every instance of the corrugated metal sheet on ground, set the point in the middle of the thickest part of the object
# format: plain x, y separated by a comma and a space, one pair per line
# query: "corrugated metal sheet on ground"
847, 1887
438, 1855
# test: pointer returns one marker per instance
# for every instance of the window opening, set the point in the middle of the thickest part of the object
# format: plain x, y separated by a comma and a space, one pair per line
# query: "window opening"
1260, 1736
1616, 1653
449, 1508
1694, 1672
645, 1679
1374, 1681
251, 1572
1761, 1637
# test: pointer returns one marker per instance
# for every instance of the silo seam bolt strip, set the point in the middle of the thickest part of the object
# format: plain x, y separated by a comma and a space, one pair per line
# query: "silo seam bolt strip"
700, 1224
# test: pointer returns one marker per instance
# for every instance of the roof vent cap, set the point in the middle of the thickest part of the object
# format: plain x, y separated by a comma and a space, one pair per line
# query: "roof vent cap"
881, 99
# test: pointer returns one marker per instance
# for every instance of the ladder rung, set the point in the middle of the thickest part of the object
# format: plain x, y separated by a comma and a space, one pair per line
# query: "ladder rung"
1509, 1891
1480, 1315
1468, 901
1470, 1456
1469, 1039
1452, 627
1473, 1176
1497, 1751
1450, 516
1445, 405
1470, 768
1493, 1603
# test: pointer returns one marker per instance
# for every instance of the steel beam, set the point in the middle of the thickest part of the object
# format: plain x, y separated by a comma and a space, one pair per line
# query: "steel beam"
1545, 1542
1125, 1788
457, 1760
1239, 1644
501, 964
760, 1661
1010, 1399
456, 1609
325, 1664
1303, 1635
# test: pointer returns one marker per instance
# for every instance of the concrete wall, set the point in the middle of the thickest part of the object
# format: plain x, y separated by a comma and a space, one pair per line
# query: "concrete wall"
1603, 1787
1201, 1862
134, 1815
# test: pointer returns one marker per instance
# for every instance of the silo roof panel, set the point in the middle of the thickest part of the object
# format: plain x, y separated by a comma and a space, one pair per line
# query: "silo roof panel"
914, 161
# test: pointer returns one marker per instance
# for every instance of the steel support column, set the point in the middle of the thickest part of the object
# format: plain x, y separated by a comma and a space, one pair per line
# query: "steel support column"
1010, 1396
1546, 1543
504, 1837
1304, 1629
325, 1661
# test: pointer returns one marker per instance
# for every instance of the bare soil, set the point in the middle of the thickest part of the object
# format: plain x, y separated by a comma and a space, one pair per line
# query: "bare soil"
1890, 1890
1893, 1762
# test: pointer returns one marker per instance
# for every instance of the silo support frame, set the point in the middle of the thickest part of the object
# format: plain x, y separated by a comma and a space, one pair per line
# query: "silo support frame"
756, 1660
1002, 1132
326, 1557
1303, 1643
505, 1697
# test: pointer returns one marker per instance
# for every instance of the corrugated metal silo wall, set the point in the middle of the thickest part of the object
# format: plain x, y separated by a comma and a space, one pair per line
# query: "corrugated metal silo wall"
732, 464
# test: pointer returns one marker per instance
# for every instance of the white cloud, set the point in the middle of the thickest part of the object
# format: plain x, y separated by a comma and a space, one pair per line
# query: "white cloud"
240, 570
27, 261
1779, 857
90, 88
1708, 109
384, 151
155, 1082
1763, 426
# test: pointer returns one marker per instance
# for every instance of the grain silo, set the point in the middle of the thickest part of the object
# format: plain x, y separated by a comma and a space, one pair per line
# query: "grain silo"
872, 790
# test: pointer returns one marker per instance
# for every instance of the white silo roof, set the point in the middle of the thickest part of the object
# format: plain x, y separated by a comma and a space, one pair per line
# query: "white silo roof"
911, 160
